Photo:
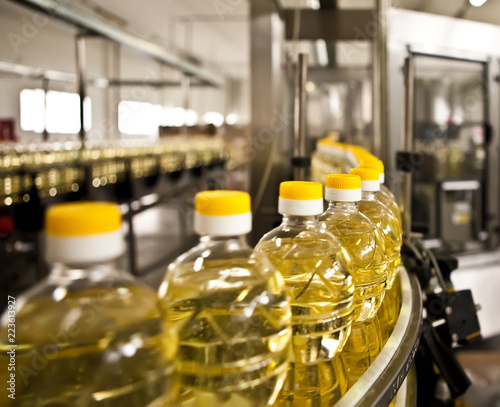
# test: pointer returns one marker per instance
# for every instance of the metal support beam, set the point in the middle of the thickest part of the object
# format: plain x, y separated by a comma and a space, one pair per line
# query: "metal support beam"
186, 93
113, 94
45, 87
299, 118
81, 62
329, 24
406, 196
84, 19
27, 71
108, 83
380, 83
271, 122
36, 73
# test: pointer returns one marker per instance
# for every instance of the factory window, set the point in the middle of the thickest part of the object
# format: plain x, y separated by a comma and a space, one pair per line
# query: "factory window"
62, 114
139, 118
214, 118
179, 116
142, 118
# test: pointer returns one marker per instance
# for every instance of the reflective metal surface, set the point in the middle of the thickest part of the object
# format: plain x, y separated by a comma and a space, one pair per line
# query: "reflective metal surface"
82, 18
299, 122
381, 382
467, 219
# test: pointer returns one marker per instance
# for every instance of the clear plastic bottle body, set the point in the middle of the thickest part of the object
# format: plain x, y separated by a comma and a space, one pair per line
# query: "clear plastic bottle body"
321, 293
231, 313
392, 233
362, 241
385, 196
320, 286
389, 311
390, 229
362, 348
91, 336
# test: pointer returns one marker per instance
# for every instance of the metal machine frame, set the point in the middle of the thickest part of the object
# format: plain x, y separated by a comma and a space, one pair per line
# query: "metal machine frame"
470, 41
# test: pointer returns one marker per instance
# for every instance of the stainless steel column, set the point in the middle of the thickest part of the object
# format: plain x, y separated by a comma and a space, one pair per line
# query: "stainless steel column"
299, 120
113, 93
406, 196
380, 83
186, 93
271, 120
81, 62
45, 86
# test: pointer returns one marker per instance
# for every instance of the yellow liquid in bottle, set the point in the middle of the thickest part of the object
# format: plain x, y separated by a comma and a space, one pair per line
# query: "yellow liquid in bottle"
388, 199
322, 312
234, 334
389, 311
321, 297
319, 384
362, 347
96, 347
391, 232
363, 248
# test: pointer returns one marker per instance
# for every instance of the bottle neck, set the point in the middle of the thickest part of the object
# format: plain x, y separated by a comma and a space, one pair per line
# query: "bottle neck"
342, 206
303, 221
232, 242
369, 195
92, 271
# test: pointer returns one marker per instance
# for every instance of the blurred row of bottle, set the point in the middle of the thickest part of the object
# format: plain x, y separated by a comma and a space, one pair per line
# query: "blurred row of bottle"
50, 169
294, 322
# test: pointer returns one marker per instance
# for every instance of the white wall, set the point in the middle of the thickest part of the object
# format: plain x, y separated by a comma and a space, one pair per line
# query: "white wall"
26, 37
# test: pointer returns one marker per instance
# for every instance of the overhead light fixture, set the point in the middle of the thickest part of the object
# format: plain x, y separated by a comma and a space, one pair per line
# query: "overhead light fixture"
322, 52
477, 3
310, 86
314, 4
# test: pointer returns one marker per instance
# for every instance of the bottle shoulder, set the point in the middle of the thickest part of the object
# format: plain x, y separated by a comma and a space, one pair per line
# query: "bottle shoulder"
86, 309
383, 218
299, 241
341, 222
206, 263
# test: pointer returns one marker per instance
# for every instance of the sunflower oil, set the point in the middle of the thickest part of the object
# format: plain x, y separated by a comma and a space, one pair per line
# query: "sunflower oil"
229, 309
360, 238
321, 292
391, 231
89, 335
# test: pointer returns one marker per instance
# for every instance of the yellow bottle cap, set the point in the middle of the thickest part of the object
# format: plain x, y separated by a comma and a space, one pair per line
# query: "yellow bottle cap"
361, 154
82, 218
366, 174
222, 203
301, 190
343, 181
376, 165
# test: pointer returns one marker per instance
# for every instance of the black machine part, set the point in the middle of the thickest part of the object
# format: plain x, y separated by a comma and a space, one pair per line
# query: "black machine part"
449, 367
450, 318
454, 316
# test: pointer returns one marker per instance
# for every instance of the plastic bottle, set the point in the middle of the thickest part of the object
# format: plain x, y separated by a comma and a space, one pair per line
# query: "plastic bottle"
229, 308
365, 246
362, 240
384, 195
89, 334
321, 290
389, 310
391, 230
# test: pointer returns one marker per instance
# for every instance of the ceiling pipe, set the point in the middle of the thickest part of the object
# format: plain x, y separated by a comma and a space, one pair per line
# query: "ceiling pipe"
84, 19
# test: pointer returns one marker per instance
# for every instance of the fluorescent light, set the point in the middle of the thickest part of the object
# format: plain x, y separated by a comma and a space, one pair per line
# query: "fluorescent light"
214, 118
477, 3
322, 52
178, 116
314, 4
231, 118
310, 86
